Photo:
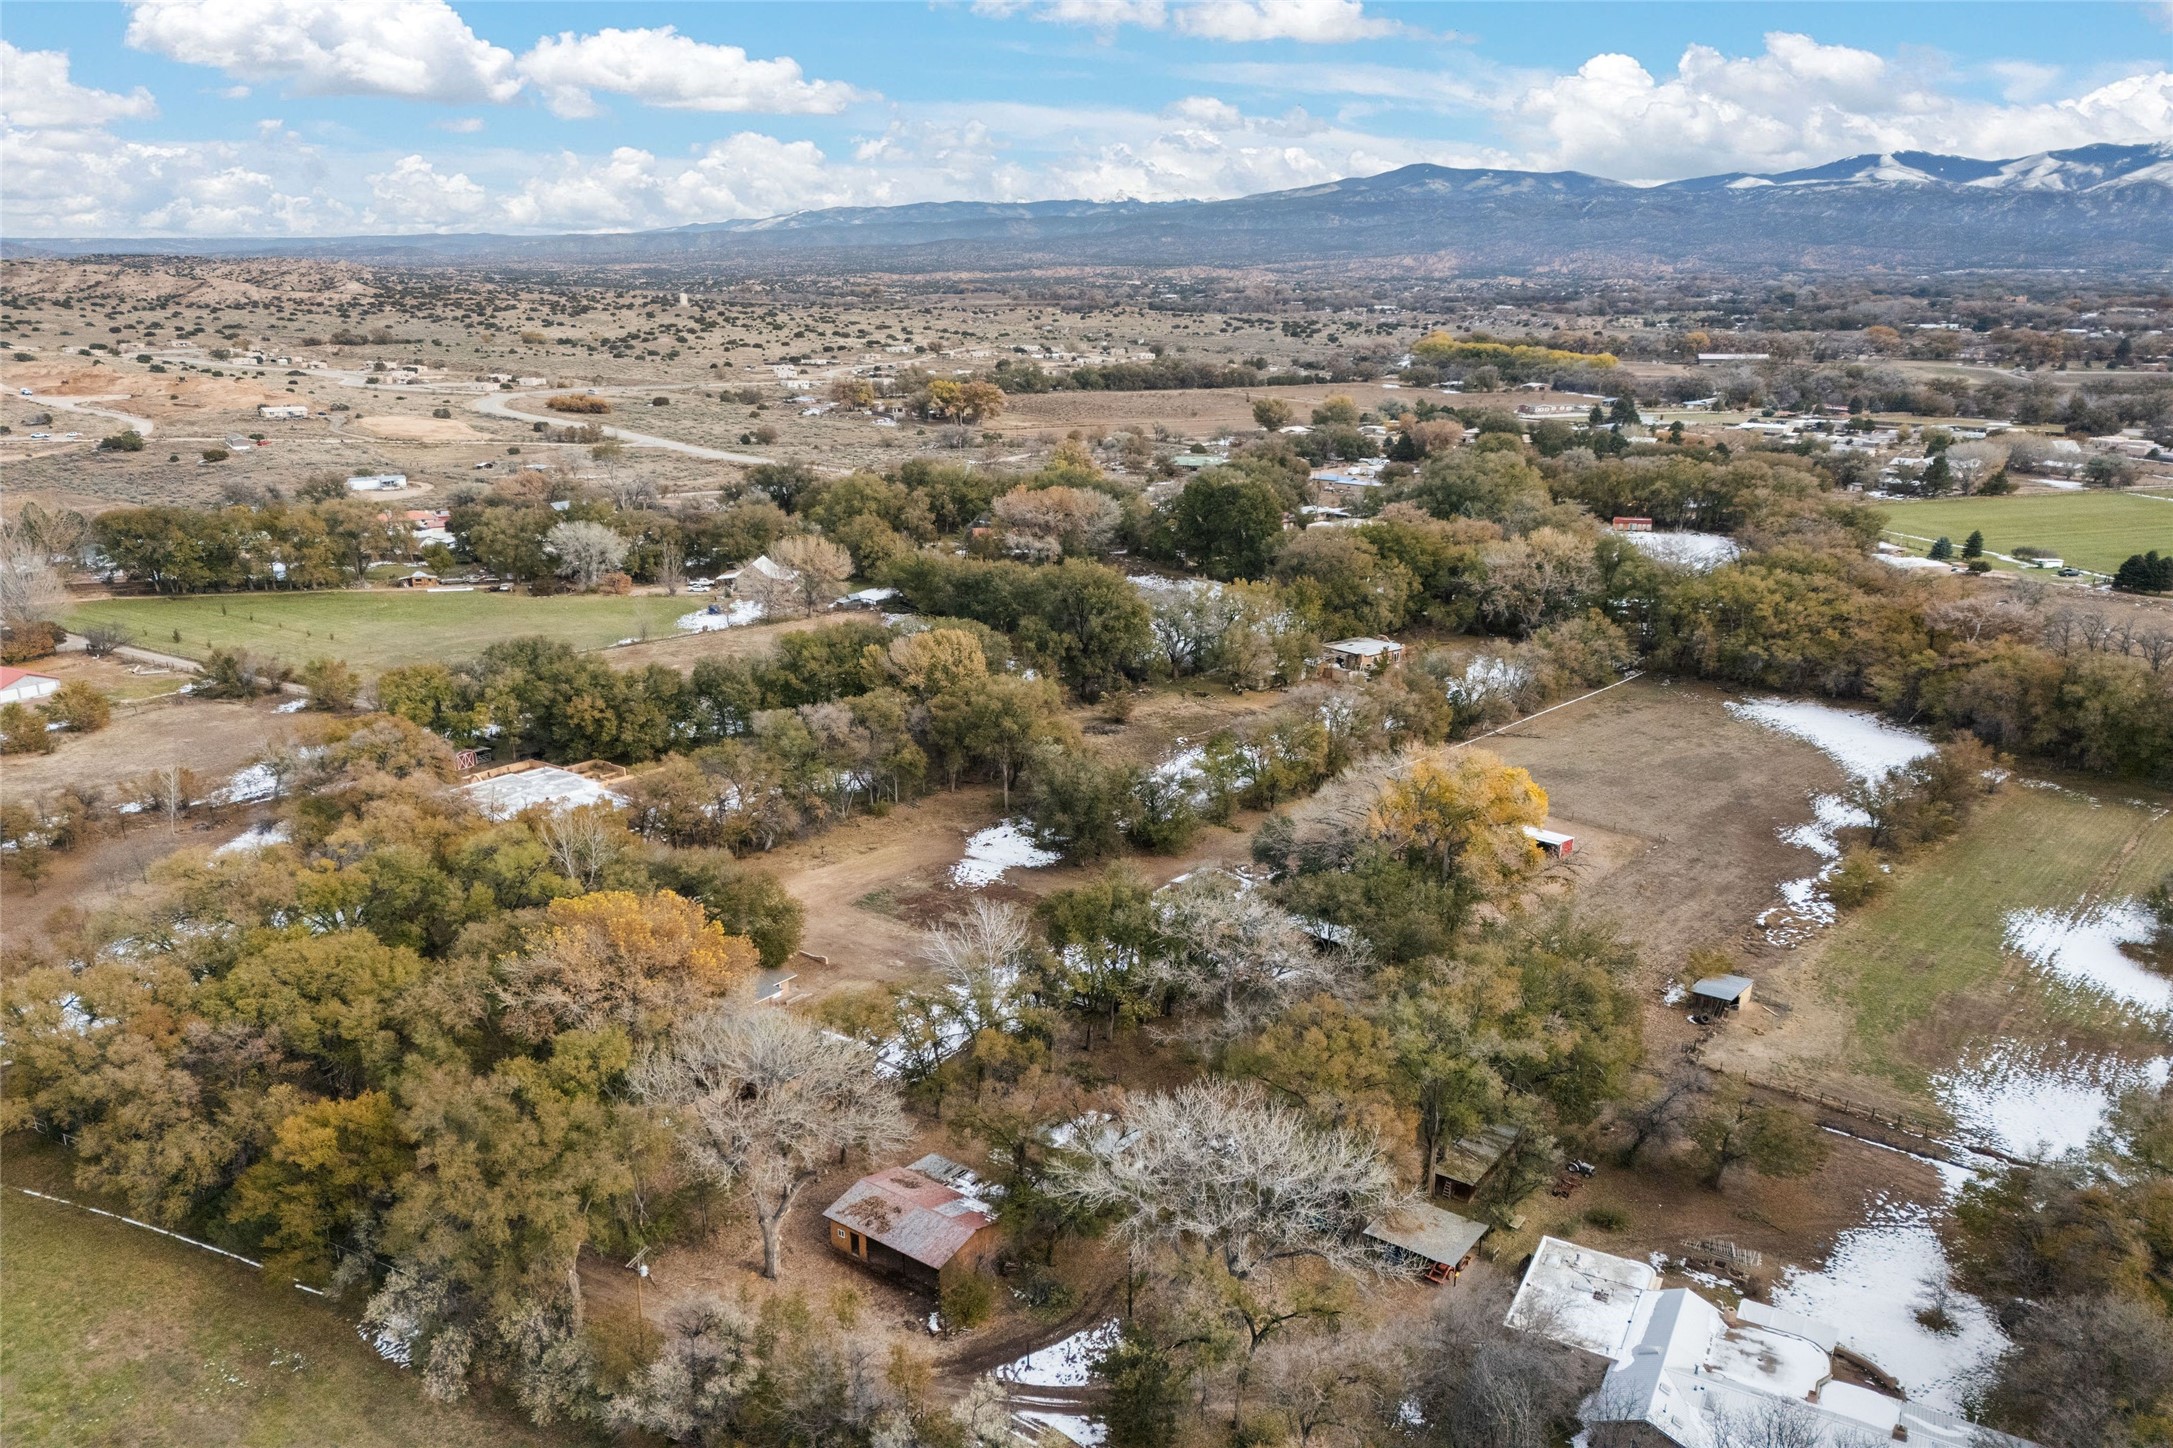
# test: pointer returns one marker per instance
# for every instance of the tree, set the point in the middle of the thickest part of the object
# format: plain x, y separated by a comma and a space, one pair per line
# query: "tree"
129, 440
585, 552
2087, 1372
332, 685
2145, 573
1228, 524
1973, 545
1463, 815
1471, 1380
1215, 1167
616, 958
1270, 414
80, 705
819, 569
1238, 955
31, 589
1771, 1140
688, 1390
1942, 549
1337, 411
763, 1101
1049, 523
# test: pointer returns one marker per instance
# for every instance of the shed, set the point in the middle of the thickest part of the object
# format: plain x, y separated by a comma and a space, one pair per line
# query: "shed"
1367, 656
927, 1224
774, 987
20, 686
1554, 842
1631, 525
1722, 992
1441, 1242
1465, 1167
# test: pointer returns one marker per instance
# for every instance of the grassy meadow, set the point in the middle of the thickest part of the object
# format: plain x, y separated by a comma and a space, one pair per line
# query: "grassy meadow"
377, 629
1921, 969
2093, 529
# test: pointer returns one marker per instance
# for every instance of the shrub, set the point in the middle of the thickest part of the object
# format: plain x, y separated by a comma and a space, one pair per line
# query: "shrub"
101, 639
80, 706
22, 731
216, 455
1608, 1219
576, 402
332, 685
20, 643
969, 1302
443, 412
1857, 881
232, 674
129, 441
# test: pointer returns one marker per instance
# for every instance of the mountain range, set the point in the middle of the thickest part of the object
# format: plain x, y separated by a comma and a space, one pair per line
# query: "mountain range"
2094, 207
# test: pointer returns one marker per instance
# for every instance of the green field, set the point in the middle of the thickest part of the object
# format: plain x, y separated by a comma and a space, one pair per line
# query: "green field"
378, 628
112, 1335
1921, 970
2095, 529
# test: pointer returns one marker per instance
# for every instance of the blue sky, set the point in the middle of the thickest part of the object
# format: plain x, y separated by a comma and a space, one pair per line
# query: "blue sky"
340, 116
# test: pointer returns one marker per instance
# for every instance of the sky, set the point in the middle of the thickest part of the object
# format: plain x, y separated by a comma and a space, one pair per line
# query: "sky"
344, 117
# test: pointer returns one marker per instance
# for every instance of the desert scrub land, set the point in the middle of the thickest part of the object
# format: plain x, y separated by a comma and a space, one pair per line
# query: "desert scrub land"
2094, 529
378, 629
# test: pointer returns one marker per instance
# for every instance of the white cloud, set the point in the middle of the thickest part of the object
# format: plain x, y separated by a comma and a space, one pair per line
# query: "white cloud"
35, 91
1315, 22
1800, 103
460, 125
744, 175
413, 49
415, 194
664, 68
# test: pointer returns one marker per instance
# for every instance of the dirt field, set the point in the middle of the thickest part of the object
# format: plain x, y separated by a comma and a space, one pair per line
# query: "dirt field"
684, 651
418, 429
213, 737
1191, 412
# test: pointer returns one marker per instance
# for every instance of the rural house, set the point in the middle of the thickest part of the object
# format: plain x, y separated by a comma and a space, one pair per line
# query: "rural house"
926, 1224
1362, 656
20, 686
1682, 1372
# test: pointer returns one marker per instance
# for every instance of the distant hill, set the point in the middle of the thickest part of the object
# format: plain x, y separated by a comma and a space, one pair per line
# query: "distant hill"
2095, 207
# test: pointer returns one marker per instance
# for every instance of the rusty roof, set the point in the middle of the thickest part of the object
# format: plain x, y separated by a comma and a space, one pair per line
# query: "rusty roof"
913, 1211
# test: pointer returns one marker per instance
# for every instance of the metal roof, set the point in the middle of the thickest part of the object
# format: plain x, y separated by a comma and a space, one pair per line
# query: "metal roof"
1428, 1231
916, 1210
1722, 987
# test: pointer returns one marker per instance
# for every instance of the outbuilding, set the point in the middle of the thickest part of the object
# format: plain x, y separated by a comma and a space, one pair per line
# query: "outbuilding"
1363, 656
1440, 1244
928, 1224
20, 686
1553, 842
1471, 1162
1722, 993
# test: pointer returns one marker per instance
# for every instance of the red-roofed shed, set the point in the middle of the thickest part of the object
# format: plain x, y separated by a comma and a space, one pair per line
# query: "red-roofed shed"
928, 1224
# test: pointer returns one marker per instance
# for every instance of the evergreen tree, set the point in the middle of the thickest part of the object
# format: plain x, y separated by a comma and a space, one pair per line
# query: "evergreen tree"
2145, 573
1943, 549
1973, 545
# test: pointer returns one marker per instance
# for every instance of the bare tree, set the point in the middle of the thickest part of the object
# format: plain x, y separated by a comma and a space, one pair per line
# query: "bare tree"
1216, 1167
763, 1100
1049, 523
1472, 1379
819, 569
1662, 1117
173, 790
585, 551
979, 956
671, 568
31, 590
1187, 621
1239, 956
707, 1361
582, 842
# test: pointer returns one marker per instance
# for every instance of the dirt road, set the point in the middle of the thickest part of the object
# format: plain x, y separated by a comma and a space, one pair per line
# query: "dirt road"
143, 425
500, 404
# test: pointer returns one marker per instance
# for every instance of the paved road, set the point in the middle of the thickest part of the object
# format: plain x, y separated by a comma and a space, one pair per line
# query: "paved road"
500, 404
143, 425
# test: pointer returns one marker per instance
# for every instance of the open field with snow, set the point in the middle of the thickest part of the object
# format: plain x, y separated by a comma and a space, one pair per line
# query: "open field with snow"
379, 628
1989, 982
2092, 529
114, 1335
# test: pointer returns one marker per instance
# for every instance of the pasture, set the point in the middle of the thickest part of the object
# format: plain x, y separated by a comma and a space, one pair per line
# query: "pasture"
377, 629
2092, 529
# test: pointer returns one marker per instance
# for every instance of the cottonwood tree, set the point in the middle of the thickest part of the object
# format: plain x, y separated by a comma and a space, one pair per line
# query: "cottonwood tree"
763, 1101
582, 842
615, 958
585, 551
1462, 815
1216, 1168
819, 569
1470, 1379
1771, 1140
1239, 957
1045, 524
980, 956
708, 1360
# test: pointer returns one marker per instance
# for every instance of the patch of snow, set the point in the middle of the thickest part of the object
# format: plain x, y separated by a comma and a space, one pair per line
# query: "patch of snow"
2082, 948
1084, 1431
1866, 746
1910, 560
248, 786
1066, 1364
1674, 995
387, 1344
1484, 678
737, 614
997, 849
292, 706
1698, 552
256, 837
2038, 1103
1874, 1282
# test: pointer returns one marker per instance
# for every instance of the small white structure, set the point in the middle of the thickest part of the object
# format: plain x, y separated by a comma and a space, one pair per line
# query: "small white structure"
1552, 842
1363, 656
282, 411
1681, 1369
20, 686
376, 482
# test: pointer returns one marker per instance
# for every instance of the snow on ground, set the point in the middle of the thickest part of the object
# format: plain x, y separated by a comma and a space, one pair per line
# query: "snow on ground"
737, 614
1066, 1364
256, 837
1086, 1432
1484, 677
2038, 1103
1910, 560
1863, 744
1804, 908
997, 849
503, 796
1873, 1284
1151, 583
2082, 947
248, 786
1698, 552
292, 706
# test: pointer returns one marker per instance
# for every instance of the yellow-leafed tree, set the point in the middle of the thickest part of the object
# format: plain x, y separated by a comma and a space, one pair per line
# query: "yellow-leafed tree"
1463, 814
618, 958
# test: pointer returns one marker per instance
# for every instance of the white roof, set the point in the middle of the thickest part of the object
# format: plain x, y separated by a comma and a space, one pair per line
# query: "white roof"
1581, 1297
1365, 647
506, 795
